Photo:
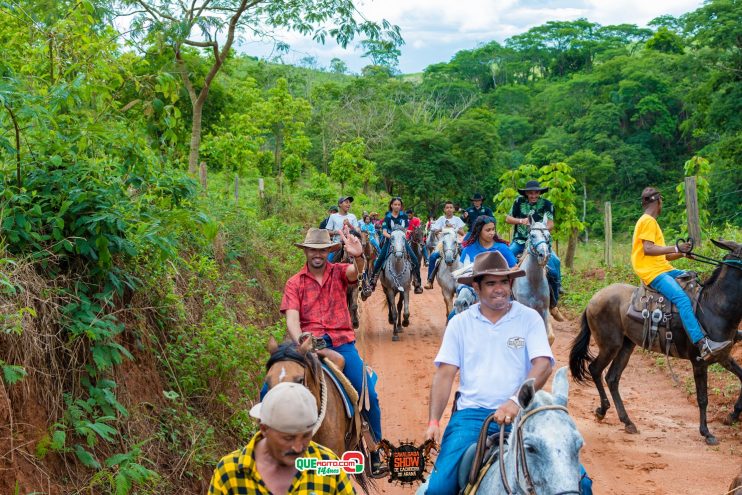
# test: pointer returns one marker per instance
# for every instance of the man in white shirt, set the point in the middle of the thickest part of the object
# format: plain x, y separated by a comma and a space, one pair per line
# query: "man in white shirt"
495, 346
338, 220
448, 220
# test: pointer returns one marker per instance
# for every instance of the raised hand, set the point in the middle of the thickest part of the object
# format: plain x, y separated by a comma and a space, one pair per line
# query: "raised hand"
353, 245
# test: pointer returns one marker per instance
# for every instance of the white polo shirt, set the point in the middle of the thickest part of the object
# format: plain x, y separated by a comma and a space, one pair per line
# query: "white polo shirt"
493, 358
337, 221
455, 222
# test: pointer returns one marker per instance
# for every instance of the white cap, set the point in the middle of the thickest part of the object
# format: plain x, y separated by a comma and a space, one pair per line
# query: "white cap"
288, 407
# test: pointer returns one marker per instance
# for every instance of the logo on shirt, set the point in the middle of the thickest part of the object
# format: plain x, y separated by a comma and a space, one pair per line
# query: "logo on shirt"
351, 462
516, 342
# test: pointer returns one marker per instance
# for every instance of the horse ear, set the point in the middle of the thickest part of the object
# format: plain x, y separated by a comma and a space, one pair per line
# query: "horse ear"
527, 392
305, 346
560, 386
721, 243
272, 345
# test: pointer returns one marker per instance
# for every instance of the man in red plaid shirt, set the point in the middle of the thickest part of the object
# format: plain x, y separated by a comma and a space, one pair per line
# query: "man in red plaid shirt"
314, 301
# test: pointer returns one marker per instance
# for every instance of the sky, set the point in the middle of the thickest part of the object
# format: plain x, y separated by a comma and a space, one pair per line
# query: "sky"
434, 30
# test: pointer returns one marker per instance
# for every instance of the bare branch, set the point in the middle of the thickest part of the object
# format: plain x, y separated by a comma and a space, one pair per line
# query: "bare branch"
156, 13
200, 44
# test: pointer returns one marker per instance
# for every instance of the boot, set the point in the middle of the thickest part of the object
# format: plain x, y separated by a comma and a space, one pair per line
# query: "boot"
418, 285
556, 314
710, 348
378, 469
429, 285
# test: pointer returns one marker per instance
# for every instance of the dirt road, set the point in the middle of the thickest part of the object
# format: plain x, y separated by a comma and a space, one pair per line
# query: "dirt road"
668, 456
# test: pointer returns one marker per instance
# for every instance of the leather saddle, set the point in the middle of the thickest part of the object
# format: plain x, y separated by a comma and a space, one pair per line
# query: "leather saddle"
470, 461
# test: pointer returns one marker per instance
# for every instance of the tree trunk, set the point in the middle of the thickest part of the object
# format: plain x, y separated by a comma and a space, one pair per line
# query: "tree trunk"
584, 210
569, 259
195, 135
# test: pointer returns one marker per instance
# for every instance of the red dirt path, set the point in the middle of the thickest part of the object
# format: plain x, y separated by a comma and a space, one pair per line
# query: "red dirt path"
668, 456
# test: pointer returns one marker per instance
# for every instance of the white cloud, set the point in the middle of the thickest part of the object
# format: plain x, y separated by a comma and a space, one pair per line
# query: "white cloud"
434, 30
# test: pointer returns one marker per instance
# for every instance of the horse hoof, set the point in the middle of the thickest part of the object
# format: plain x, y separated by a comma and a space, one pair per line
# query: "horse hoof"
730, 420
599, 415
711, 440
355, 324
405, 323
395, 338
391, 321
631, 428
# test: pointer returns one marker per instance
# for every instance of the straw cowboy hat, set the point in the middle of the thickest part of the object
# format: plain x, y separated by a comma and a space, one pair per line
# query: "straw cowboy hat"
318, 239
491, 263
533, 185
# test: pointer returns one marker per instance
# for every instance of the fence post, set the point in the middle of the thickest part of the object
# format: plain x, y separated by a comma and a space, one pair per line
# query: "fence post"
608, 227
236, 189
261, 188
203, 173
691, 205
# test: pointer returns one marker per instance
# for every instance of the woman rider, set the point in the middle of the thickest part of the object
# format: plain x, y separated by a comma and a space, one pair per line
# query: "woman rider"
484, 238
368, 226
396, 218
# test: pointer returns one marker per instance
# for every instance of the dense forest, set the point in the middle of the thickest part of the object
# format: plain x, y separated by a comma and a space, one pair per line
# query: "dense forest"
112, 255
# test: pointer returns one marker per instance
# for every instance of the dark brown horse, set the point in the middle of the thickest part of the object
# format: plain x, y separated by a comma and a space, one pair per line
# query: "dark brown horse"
417, 243
351, 294
369, 252
719, 312
290, 362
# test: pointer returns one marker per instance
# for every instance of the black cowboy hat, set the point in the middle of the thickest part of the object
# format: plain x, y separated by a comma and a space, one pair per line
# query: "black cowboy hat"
477, 197
345, 198
533, 185
491, 263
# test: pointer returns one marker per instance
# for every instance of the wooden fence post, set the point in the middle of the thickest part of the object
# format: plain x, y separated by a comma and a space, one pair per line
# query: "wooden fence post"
608, 226
691, 205
236, 189
203, 173
261, 188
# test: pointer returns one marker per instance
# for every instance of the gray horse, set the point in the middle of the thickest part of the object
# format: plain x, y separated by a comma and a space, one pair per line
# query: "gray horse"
533, 289
550, 445
395, 279
449, 262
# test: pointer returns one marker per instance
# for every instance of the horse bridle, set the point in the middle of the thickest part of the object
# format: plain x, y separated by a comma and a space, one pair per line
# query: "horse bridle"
452, 250
520, 453
547, 240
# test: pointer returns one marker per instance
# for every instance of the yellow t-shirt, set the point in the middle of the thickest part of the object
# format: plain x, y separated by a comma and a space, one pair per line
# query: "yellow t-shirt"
648, 267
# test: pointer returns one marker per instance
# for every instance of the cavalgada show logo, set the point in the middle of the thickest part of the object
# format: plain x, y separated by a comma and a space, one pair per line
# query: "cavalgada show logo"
351, 462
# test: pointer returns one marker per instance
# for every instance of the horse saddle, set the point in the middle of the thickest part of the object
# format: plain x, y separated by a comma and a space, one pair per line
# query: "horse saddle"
475, 461
341, 382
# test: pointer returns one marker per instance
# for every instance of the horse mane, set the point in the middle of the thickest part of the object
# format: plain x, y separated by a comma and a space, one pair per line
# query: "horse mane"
288, 351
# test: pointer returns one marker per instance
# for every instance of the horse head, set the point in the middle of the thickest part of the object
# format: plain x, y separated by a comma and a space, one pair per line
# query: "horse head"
449, 246
290, 362
465, 297
398, 243
539, 242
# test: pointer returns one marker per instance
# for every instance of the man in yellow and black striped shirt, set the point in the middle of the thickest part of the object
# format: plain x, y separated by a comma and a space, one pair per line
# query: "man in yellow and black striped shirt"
266, 465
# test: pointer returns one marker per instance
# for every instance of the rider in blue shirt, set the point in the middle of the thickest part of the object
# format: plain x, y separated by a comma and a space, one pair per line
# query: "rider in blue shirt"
396, 218
484, 238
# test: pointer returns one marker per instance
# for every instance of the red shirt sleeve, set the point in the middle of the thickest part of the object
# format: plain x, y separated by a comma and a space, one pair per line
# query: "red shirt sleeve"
291, 295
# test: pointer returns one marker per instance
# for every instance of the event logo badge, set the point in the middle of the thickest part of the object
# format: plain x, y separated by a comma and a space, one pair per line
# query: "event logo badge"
407, 463
351, 462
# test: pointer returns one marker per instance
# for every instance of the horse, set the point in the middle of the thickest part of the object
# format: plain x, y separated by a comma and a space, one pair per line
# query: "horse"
532, 290
417, 243
298, 363
369, 253
351, 293
542, 454
719, 311
450, 252
396, 279
431, 243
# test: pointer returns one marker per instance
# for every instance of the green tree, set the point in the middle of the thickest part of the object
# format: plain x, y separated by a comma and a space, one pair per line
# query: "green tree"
349, 165
666, 41
558, 178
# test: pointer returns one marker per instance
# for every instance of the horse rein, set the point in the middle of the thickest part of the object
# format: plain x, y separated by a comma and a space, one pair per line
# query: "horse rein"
520, 453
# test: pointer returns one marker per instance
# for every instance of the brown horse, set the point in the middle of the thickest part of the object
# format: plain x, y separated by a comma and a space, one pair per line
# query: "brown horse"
417, 243
369, 252
290, 362
351, 293
719, 312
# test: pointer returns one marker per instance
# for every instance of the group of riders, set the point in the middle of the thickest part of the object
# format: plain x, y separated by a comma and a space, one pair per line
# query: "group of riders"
476, 227
494, 346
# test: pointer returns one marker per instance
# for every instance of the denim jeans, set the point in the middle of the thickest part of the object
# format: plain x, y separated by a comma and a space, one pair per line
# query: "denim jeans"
553, 270
461, 432
354, 368
432, 260
666, 285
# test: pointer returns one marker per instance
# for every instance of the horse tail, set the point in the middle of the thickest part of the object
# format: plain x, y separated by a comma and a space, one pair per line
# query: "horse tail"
579, 355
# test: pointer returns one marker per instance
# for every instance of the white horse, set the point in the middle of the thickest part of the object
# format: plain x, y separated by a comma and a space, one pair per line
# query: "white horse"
532, 290
449, 262
396, 279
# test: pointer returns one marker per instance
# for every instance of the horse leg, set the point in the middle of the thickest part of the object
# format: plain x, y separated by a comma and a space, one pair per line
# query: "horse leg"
605, 356
406, 314
614, 376
389, 293
700, 376
731, 365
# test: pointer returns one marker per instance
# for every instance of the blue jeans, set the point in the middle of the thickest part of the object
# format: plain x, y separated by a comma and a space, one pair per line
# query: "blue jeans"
666, 285
384, 252
354, 368
432, 260
553, 270
461, 432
